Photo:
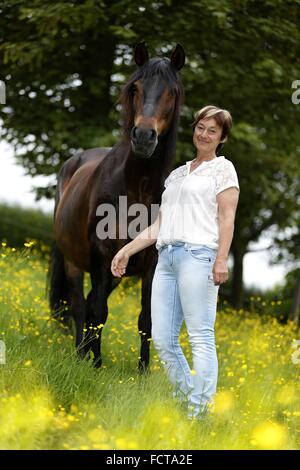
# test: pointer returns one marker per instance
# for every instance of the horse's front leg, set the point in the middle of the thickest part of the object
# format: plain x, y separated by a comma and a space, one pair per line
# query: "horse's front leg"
97, 310
144, 323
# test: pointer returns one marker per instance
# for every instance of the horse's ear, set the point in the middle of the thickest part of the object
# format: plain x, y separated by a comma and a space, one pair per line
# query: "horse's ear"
178, 57
141, 55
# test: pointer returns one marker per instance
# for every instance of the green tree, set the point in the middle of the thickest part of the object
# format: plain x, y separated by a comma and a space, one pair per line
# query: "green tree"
286, 247
64, 64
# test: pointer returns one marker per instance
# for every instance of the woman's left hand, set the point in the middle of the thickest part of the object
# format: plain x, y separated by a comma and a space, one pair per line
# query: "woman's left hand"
220, 271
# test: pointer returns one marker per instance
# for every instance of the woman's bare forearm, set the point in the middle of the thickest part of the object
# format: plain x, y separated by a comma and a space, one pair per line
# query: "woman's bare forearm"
146, 238
226, 230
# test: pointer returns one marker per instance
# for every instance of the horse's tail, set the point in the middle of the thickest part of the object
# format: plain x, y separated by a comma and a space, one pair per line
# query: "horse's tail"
57, 282
58, 287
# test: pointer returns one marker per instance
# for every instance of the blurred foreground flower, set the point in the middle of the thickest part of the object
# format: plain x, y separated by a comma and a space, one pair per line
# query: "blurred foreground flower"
269, 435
224, 403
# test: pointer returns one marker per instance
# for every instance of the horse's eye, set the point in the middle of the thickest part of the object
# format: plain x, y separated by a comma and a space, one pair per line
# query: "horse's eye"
133, 89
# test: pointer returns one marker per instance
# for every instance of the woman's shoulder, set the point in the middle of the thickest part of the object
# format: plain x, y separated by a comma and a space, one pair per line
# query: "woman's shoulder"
224, 164
222, 160
225, 176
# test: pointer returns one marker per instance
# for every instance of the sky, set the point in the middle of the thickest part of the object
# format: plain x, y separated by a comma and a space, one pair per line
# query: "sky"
17, 188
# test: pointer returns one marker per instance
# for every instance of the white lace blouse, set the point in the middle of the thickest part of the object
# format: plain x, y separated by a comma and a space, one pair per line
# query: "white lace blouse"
189, 207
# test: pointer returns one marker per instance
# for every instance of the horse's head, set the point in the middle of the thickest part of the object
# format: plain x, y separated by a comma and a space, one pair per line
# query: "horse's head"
152, 98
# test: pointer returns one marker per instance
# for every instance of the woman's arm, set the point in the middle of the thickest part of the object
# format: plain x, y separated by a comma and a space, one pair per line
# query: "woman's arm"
146, 238
227, 203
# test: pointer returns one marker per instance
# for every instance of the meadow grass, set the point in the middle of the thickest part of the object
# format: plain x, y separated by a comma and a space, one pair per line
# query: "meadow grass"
51, 400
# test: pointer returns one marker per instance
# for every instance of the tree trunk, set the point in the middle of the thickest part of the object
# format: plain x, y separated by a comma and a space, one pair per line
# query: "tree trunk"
295, 308
237, 291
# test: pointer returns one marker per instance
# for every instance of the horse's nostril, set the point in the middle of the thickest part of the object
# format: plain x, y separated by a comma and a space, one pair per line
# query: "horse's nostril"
133, 133
153, 134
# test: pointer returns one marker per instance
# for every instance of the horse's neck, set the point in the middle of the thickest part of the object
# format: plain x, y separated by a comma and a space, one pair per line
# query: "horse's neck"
154, 169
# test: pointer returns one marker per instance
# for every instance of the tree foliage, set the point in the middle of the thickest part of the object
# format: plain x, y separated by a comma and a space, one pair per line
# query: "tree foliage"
64, 63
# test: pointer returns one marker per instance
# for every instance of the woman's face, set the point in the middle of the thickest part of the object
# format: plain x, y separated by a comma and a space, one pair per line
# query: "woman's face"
207, 135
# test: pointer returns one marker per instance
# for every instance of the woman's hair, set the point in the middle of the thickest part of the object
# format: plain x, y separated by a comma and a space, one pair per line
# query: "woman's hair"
223, 119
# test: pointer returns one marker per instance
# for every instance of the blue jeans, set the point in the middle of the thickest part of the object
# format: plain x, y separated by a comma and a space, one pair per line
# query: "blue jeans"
183, 289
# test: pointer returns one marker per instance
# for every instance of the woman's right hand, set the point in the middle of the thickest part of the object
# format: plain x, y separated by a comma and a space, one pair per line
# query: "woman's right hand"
119, 263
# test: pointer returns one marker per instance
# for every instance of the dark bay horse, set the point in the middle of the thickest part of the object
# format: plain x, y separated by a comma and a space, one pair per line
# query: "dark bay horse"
136, 168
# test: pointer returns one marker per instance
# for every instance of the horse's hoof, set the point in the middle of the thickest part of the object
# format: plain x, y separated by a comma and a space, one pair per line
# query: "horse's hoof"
83, 353
97, 363
143, 367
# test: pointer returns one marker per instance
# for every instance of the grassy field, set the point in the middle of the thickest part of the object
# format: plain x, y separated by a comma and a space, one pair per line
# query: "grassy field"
50, 400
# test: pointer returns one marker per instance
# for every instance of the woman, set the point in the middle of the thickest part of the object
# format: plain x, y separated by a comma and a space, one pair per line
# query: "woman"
193, 235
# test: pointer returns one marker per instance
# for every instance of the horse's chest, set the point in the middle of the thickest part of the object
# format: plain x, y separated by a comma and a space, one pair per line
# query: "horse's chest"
142, 194
144, 199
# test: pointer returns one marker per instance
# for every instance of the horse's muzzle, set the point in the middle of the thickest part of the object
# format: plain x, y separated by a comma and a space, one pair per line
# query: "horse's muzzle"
143, 141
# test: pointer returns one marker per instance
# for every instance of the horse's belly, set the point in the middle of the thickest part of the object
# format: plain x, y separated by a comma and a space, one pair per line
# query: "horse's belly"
71, 237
